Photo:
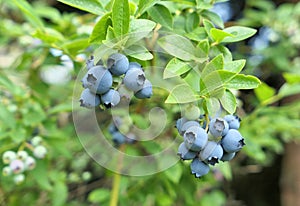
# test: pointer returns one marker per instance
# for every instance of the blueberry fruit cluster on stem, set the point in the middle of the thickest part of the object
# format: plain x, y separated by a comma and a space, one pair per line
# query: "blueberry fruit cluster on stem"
98, 82
17, 163
206, 143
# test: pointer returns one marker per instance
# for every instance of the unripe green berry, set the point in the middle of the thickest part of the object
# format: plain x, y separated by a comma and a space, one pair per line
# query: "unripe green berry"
6, 171
19, 178
40, 152
22, 155
37, 140
191, 112
8, 157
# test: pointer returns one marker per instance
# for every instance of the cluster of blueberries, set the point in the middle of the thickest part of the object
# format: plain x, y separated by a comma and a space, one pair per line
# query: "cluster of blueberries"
118, 136
206, 144
98, 82
20, 161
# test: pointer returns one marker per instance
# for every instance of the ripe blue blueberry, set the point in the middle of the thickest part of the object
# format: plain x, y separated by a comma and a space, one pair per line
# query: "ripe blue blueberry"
218, 127
187, 125
232, 141
184, 153
40, 151
8, 156
134, 79
145, 92
110, 98
89, 63
211, 153
133, 65
228, 156
179, 124
118, 138
98, 79
117, 64
195, 138
199, 168
17, 166
233, 121
88, 99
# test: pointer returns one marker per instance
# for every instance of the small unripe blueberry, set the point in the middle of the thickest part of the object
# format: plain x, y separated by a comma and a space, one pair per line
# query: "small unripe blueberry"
17, 166
8, 156
6, 171
191, 112
22, 155
37, 140
40, 152
30, 163
19, 178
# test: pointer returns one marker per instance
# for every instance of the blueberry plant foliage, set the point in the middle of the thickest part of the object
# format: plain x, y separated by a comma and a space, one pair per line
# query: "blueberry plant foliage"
183, 44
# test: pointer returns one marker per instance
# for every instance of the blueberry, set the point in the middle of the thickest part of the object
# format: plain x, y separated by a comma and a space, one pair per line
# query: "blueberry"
187, 125
18, 179
8, 156
90, 63
88, 99
98, 79
118, 138
218, 127
133, 65
130, 138
211, 153
117, 64
228, 156
195, 138
110, 98
22, 155
179, 124
112, 128
134, 79
35, 141
40, 152
184, 153
6, 171
29, 163
191, 112
233, 121
17, 166
199, 168
232, 141
145, 92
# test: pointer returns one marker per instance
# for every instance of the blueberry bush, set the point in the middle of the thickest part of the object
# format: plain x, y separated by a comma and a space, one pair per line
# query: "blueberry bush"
134, 102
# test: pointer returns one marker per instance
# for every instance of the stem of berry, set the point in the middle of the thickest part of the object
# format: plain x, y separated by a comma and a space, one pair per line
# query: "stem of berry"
116, 180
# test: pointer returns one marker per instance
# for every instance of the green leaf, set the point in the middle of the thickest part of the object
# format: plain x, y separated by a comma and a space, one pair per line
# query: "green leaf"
212, 106
228, 102
179, 47
235, 66
175, 67
162, 15
100, 29
139, 29
197, 34
215, 64
192, 21
40, 173
242, 81
215, 81
291, 78
216, 50
192, 79
49, 35
99, 195
139, 52
12, 87
289, 89
174, 173
264, 92
218, 35
240, 33
120, 17
215, 18
207, 26
29, 13
181, 94
59, 193
144, 5
204, 46
92, 6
